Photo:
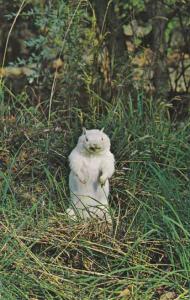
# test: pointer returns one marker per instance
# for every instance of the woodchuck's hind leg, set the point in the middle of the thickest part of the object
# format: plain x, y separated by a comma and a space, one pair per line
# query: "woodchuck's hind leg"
71, 213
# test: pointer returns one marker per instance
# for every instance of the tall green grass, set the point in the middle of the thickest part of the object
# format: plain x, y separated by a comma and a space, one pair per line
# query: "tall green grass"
44, 255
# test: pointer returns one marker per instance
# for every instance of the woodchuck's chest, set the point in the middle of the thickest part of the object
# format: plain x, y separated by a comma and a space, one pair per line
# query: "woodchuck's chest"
92, 165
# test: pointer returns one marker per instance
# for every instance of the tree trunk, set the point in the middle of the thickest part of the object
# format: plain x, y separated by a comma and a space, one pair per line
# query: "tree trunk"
110, 24
160, 71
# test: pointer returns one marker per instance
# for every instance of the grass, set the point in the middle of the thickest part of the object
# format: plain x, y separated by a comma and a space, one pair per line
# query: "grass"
44, 255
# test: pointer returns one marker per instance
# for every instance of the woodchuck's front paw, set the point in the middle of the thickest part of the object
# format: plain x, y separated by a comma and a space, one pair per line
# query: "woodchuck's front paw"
103, 180
83, 179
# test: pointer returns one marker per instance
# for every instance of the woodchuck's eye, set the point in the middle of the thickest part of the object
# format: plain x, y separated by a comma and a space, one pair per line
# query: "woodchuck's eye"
86, 139
102, 138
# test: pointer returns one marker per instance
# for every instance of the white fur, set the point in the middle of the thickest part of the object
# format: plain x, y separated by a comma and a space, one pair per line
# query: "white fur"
92, 164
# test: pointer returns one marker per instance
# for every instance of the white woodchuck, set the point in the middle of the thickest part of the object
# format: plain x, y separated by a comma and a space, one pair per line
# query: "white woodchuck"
91, 164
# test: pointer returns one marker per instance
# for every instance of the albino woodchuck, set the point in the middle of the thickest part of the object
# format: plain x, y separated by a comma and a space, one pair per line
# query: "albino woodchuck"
91, 164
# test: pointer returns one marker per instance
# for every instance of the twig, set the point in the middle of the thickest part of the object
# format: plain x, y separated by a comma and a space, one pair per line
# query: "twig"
9, 33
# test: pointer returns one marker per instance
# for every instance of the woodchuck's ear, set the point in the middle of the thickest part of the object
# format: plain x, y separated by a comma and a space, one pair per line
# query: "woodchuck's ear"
102, 129
84, 130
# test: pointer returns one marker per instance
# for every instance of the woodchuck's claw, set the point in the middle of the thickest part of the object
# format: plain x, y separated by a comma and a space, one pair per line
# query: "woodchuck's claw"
83, 181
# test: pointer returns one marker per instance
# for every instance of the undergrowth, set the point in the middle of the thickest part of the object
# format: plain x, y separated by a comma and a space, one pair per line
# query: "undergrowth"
44, 255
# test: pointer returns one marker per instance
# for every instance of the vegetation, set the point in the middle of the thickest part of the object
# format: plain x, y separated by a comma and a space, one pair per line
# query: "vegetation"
59, 72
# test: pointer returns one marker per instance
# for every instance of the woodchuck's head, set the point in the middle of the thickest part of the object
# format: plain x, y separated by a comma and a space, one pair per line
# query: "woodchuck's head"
94, 141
